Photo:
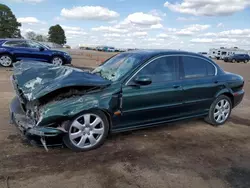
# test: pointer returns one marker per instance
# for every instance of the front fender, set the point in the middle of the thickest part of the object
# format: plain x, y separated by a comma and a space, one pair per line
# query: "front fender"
66, 109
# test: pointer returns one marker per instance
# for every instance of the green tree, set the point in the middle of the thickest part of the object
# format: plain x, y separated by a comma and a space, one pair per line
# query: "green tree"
57, 35
9, 27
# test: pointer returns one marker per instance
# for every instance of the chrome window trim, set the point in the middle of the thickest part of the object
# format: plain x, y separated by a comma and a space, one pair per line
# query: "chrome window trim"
12, 46
178, 55
5, 43
25, 47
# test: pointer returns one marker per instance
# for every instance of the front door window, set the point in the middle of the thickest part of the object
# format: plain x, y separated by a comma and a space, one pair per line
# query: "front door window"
163, 69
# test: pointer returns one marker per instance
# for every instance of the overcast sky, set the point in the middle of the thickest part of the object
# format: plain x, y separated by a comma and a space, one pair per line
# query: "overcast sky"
194, 25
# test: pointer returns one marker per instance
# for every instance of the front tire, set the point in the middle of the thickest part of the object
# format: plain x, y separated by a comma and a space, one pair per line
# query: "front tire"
220, 111
87, 131
246, 61
6, 60
56, 60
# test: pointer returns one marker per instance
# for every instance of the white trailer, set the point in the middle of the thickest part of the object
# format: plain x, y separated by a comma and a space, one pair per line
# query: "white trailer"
222, 52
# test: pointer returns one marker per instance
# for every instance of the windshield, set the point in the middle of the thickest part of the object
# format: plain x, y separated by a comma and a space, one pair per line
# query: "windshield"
119, 65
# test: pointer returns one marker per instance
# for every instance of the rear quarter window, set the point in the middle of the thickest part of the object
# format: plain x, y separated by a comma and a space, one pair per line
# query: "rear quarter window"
210, 69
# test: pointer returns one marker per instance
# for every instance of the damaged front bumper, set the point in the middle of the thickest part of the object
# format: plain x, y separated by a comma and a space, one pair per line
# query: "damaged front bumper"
27, 126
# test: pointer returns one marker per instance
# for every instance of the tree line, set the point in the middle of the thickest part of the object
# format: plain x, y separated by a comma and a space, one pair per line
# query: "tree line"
10, 28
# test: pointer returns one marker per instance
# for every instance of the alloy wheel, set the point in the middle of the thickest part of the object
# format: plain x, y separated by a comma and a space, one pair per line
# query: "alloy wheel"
57, 61
5, 61
222, 111
86, 131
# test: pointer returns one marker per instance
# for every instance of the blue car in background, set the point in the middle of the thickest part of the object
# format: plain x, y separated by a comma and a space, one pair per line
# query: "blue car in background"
237, 58
12, 50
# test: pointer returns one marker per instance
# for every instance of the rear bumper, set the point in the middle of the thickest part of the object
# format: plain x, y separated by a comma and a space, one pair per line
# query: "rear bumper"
238, 97
26, 125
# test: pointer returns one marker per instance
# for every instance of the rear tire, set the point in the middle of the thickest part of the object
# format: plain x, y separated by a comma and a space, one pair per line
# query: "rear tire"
86, 131
6, 60
233, 61
219, 111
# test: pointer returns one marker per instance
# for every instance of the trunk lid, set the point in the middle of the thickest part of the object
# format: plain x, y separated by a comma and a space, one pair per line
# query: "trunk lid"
35, 79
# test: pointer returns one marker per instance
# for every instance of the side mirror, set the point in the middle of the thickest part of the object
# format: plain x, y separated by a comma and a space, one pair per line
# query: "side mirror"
41, 48
143, 80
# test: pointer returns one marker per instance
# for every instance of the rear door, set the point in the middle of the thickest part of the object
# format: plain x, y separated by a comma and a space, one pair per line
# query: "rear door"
157, 102
18, 48
200, 84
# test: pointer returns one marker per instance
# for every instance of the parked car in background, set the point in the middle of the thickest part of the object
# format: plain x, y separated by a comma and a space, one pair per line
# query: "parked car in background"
204, 54
108, 49
99, 48
237, 58
12, 50
131, 90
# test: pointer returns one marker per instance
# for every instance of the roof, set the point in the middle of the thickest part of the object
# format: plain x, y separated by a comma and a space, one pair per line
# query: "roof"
149, 54
5, 39
153, 53
2, 40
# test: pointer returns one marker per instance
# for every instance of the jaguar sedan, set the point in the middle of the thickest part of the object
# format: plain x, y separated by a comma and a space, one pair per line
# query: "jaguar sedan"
131, 90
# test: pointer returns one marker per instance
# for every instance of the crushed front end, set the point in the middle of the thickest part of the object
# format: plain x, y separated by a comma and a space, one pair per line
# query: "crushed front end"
48, 97
27, 124
25, 115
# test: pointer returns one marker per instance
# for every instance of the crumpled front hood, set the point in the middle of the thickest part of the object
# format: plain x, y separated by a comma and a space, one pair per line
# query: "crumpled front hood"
36, 79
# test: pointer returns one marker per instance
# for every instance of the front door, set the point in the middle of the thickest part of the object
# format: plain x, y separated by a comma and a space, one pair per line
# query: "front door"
144, 105
36, 53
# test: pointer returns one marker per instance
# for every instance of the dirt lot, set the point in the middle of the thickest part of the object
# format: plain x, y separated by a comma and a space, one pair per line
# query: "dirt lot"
189, 154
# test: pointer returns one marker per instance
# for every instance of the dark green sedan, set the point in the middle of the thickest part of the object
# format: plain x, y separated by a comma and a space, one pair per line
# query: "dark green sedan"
131, 90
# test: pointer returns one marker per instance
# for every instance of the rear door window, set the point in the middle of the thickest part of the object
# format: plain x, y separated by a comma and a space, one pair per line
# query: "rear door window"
19, 44
194, 67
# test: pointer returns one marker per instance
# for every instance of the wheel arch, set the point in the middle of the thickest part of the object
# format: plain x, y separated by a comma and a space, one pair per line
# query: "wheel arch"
227, 93
106, 112
9, 54
108, 115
